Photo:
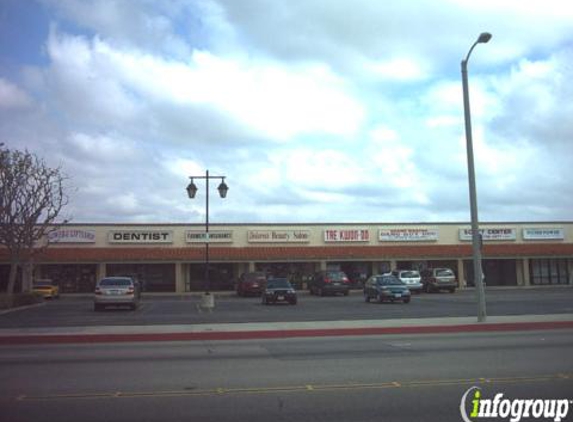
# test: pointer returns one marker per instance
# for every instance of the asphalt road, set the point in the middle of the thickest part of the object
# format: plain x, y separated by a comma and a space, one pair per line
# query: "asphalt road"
160, 310
395, 378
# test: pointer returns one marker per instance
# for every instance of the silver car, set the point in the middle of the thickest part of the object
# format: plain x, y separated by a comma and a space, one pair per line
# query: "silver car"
117, 291
411, 278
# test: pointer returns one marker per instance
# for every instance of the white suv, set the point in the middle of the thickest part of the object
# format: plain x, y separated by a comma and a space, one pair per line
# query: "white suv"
411, 278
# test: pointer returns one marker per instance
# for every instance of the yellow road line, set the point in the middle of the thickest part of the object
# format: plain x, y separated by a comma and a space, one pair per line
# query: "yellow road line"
295, 388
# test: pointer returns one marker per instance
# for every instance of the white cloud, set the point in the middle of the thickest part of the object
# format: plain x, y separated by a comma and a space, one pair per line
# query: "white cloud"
303, 105
399, 69
12, 97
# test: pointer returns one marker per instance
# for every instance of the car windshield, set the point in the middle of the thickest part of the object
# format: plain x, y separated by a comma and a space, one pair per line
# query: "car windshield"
278, 284
337, 276
388, 281
444, 272
115, 282
410, 274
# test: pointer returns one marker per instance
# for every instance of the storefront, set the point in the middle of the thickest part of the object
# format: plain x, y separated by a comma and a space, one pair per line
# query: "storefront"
221, 277
549, 271
171, 257
71, 278
153, 277
497, 272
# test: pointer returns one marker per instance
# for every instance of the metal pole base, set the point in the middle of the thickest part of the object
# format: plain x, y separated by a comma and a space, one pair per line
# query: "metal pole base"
208, 302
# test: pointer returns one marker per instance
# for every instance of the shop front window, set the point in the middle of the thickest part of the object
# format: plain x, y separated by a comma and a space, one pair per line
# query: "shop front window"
153, 277
548, 271
70, 278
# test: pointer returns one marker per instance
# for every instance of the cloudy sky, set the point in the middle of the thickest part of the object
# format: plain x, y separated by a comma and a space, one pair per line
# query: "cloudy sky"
314, 110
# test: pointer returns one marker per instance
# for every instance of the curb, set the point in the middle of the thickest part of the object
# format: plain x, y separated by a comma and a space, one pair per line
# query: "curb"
281, 334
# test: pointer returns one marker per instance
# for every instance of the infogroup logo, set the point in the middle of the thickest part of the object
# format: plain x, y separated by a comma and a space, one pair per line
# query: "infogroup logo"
514, 409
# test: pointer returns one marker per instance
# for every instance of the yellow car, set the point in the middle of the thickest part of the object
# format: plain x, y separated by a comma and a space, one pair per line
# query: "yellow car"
46, 289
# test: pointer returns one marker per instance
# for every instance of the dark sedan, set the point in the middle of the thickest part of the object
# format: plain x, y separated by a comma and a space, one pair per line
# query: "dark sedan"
279, 290
386, 287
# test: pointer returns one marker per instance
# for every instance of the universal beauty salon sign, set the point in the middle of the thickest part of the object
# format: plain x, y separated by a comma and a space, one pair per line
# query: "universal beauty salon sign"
278, 236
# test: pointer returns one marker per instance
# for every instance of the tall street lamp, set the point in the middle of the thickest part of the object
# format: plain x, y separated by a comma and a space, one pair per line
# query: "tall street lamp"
191, 191
476, 236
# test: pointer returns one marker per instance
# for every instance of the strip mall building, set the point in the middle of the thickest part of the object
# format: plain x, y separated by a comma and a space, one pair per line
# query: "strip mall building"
171, 257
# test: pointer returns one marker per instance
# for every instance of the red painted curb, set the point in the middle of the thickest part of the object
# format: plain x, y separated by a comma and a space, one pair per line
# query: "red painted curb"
278, 334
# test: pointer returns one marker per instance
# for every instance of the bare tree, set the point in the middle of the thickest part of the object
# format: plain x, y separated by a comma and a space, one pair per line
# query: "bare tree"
32, 196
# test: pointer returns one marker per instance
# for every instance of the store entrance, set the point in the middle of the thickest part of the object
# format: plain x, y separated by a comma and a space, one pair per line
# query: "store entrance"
220, 277
497, 272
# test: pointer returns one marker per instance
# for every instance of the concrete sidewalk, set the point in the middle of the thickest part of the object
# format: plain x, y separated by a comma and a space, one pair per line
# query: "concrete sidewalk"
275, 330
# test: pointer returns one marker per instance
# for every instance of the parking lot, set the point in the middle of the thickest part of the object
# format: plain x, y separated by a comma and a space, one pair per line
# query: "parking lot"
77, 311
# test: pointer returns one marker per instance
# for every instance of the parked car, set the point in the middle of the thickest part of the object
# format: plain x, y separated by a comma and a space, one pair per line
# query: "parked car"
386, 287
325, 282
410, 278
252, 283
279, 290
46, 288
436, 279
117, 291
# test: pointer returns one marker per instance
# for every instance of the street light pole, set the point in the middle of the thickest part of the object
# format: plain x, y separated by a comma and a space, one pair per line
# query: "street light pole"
476, 236
191, 192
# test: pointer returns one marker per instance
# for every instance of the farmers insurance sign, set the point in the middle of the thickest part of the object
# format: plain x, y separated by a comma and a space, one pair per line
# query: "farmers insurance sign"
140, 236
215, 236
502, 233
407, 235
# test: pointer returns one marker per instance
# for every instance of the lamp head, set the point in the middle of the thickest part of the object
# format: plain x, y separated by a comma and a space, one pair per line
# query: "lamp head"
223, 189
191, 189
484, 37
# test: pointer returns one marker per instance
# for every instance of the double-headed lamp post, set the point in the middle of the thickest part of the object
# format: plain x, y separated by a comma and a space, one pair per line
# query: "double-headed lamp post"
476, 236
191, 191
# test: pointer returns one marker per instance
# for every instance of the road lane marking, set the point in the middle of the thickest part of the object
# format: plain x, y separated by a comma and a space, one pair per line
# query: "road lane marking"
220, 391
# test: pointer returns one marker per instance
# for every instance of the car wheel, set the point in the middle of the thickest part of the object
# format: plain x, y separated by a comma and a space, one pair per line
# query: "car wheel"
133, 306
452, 290
407, 300
346, 293
293, 302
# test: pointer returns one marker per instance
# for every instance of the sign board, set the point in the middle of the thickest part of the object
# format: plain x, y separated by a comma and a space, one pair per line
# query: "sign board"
278, 236
140, 236
346, 235
408, 235
497, 234
72, 236
544, 234
215, 236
